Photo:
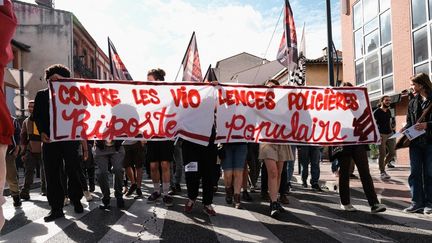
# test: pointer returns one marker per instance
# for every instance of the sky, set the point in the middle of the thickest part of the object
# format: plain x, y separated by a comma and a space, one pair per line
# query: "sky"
155, 33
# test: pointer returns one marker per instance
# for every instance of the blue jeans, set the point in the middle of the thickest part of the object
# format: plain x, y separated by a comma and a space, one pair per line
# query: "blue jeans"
309, 155
335, 165
290, 166
420, 179
235, 156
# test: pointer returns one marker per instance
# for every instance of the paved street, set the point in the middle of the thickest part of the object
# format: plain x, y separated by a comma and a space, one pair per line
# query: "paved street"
311, 217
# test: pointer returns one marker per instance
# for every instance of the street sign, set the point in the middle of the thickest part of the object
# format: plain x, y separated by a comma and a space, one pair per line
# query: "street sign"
15, 74
17, 102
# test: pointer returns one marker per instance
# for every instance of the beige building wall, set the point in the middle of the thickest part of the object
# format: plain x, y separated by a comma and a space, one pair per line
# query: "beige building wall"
317, 74
49, 34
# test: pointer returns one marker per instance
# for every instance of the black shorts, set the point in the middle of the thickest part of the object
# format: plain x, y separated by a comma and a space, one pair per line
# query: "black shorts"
134, 155
160, 151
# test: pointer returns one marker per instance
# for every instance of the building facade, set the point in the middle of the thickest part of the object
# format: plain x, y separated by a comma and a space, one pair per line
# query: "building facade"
384, 43
47, 36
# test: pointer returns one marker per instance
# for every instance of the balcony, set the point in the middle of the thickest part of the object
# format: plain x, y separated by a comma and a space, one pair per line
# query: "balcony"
81, 71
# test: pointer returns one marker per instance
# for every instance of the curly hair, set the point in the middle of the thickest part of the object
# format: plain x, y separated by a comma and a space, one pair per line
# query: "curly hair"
158, 74
57, 69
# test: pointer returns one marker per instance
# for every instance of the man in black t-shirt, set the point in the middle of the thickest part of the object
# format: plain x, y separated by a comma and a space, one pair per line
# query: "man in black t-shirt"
387, 151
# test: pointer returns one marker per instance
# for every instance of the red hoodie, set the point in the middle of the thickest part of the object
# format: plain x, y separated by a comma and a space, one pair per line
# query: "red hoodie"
8, 23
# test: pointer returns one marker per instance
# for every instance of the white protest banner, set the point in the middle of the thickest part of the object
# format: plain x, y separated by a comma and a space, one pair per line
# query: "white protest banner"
110, 110
297, 115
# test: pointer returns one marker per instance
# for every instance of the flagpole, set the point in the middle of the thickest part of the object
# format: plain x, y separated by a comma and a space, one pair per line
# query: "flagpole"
329, 46
181, 64
110, 58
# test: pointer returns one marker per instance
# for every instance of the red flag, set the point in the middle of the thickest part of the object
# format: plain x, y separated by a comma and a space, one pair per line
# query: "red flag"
191, 62
8, 23
210, 75
118, 69
287, 54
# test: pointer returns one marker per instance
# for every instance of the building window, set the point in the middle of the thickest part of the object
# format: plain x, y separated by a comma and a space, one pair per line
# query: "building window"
385, 28
359, 72
421, 18
99, 74
370, 10
418, 12
373, 46
386, 60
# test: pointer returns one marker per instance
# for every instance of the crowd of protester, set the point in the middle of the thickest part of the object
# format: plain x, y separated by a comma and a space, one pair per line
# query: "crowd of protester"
70, 170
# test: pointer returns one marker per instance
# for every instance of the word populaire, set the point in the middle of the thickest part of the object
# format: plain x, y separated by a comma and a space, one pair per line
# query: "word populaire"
317, 131
95, 96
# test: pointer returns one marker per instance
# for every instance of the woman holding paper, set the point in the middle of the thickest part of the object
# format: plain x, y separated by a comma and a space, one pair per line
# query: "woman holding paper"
420, 150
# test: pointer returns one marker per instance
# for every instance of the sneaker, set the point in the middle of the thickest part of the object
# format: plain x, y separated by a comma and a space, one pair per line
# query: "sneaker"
390, 165
316, 187
105, 204
253, 189
168, 200
189, 205
42, 194
78, 207
348, 208
53, 215
139, 193
385, 176
246, 196
274, 211
153, 197
131, 190
25, 196
427, 210
413, 209
88, 196
378, 208
208, 209
280, 208
125, 190
17, 201
283, 199
66, 201
120, 202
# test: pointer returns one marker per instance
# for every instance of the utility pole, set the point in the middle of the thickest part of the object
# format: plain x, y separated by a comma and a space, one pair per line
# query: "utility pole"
329, 45
22, 108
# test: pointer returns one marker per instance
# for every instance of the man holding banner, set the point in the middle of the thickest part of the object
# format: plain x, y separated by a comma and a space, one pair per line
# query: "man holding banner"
55, 153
